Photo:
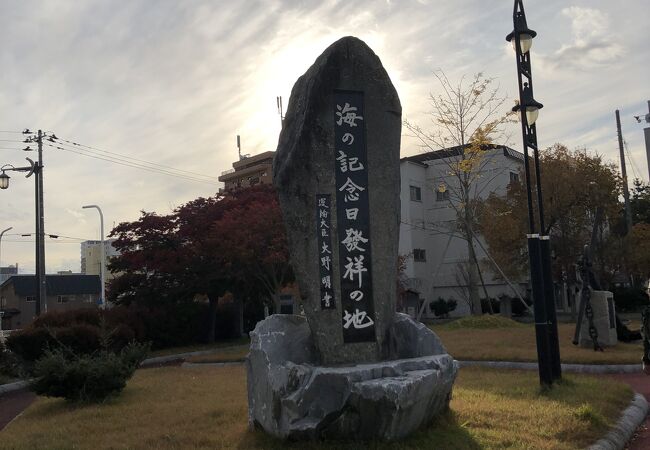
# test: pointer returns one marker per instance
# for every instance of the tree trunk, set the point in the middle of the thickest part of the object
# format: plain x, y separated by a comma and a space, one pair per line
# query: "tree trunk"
472, 272
212, 319
472, 283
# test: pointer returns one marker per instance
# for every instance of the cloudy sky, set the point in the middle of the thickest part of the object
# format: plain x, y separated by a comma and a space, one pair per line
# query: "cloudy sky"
173, 83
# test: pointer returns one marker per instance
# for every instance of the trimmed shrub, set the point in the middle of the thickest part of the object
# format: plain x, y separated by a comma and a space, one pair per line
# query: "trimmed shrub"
30, 343
485, 306
10, 366
59, 319
86, 378
82, 330
81, 338
630, 299
442, 307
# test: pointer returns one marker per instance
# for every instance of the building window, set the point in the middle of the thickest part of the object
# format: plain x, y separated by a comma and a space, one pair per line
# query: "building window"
514, 177
31, 298
441, 196
62, 299
416, 194
3, 302
419, 255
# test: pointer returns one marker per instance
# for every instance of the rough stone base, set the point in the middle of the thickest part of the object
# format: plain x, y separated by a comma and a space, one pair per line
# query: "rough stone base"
290, 396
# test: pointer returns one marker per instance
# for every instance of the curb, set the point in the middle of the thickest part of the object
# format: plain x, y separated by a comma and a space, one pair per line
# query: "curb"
189, 365
573, 368
13, 387
622, 432
177, 357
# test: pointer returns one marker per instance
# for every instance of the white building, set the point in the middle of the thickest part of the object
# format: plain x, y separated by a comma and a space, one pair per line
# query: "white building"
428, 226
91, 256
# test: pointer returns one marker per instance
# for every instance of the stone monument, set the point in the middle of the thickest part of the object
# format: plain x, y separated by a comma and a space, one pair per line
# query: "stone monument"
352, 366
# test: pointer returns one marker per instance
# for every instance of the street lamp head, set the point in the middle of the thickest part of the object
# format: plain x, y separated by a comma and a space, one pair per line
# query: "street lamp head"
526, 35
4, 180
529, 105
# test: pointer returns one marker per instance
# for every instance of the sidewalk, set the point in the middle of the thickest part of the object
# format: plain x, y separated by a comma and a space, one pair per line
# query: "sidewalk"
12, 404
640, 382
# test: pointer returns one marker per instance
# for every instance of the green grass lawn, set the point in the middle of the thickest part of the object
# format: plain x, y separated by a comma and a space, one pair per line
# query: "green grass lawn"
495, 338
176, 408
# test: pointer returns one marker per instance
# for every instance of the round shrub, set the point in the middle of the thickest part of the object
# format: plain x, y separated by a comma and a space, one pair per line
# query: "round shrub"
30, 343
86, 378
80, 338
60, 319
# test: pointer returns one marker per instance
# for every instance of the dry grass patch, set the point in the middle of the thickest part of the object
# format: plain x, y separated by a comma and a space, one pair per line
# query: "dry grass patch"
474, 339
174, 408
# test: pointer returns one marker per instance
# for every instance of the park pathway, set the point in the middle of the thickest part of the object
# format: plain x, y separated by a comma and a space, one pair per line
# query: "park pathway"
640, 382
12, 404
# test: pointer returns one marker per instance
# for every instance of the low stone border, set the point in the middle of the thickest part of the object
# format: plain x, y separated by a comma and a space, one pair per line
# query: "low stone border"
573, 368
177, 357
15, 386
622, 432
190, 365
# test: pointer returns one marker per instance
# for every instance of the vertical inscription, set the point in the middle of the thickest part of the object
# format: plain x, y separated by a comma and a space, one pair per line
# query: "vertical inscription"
352, 217
323, 214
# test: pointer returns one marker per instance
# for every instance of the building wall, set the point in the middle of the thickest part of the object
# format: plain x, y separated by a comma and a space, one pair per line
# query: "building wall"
8, 271
9, 300
91, 257
429, 225
249, 171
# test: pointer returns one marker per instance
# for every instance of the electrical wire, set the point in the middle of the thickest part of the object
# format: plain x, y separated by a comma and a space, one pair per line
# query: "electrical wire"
635, 170
133, 165
132, 158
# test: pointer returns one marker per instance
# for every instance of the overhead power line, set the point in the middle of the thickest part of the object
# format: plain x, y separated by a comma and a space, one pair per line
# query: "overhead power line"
132, 158
135, 165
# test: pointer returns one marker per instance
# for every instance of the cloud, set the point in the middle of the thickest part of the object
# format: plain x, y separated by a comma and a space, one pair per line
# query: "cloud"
173, 83
593, 43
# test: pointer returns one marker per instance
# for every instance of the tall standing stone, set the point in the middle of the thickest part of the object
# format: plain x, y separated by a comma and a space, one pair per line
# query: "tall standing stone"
336, 171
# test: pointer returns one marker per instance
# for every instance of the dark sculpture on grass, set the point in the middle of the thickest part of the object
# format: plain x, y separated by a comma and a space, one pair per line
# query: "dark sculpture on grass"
351, 367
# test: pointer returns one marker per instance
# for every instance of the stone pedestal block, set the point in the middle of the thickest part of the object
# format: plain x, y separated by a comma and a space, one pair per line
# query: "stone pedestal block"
604, 308
289, 396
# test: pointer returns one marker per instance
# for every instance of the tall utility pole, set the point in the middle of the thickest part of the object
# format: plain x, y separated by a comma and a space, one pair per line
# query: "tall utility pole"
41, 291
36, 169
626, 191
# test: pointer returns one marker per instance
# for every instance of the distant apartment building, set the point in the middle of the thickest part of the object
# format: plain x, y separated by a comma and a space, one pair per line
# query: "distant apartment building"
64, 292
248, 171
91, 256
428, 230
6, 272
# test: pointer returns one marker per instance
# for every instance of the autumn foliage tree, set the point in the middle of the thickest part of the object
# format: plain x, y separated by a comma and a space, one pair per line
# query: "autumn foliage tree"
466, 118
580, 205
207, 247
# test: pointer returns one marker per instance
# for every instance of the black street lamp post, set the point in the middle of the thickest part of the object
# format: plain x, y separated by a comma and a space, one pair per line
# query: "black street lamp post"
35, 168
548, 351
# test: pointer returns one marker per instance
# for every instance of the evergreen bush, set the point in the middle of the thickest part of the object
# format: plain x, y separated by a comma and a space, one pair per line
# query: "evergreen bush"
86, 378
